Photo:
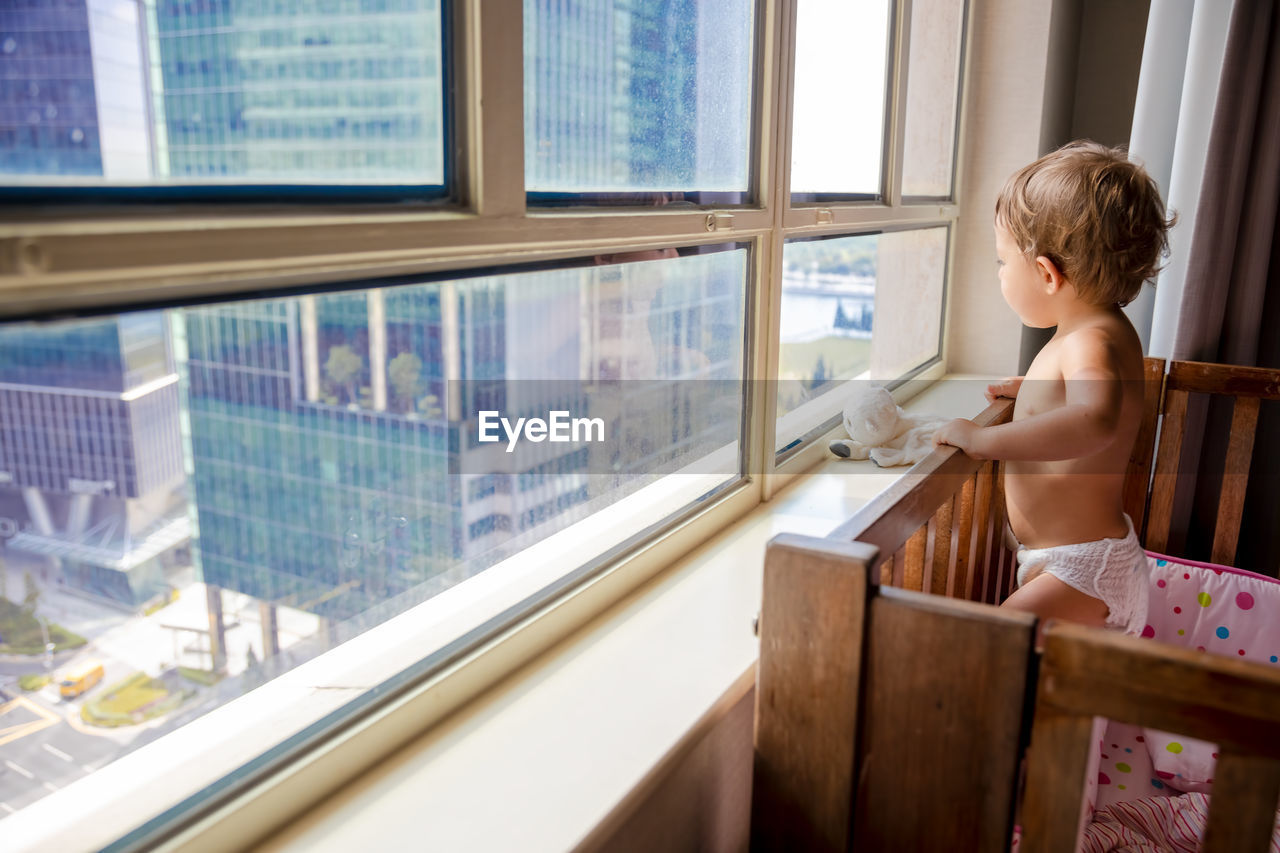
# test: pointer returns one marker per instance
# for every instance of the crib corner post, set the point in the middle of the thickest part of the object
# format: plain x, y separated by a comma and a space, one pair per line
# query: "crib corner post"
812, 625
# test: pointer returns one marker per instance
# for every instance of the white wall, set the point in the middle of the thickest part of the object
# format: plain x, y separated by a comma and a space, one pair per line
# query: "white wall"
1007, 91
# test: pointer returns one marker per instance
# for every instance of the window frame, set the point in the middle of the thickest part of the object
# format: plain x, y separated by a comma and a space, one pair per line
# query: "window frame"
66, 260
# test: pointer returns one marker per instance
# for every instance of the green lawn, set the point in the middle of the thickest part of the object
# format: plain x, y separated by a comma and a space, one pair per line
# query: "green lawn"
138, 697
841, 358
20, 632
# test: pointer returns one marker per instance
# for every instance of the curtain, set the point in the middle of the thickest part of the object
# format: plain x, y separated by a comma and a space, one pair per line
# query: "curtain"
1222, 305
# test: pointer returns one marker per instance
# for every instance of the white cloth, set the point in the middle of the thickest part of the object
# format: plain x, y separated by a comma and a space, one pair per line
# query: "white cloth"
913, 443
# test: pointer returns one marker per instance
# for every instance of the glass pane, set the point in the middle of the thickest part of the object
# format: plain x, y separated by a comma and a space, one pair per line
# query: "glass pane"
195, 501
933, 84
840, 89
862, 307
627, 98
115, 92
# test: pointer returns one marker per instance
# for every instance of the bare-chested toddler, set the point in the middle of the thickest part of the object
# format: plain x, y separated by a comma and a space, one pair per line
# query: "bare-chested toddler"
1077, 233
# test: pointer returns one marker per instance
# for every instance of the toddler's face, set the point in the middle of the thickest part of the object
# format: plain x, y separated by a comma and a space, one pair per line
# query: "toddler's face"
1022, 283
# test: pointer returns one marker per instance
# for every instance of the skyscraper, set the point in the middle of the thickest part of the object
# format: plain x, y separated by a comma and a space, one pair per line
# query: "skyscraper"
637, 95
341, 91
91, 472
73, 91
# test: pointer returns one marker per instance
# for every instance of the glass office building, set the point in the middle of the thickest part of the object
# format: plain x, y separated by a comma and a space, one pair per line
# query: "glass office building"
336, 465
73, 92
346, 91
91, 484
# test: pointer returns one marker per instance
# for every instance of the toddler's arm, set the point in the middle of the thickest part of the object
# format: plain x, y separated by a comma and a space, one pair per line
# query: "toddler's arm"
1085, 424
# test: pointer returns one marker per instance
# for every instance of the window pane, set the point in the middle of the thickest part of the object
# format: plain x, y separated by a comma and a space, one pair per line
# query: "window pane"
221, 92
203, 498
862, 307
629, 98
933, 83
840, 89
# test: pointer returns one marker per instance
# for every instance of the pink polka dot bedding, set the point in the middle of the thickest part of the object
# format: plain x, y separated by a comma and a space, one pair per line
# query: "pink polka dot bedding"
1212, 608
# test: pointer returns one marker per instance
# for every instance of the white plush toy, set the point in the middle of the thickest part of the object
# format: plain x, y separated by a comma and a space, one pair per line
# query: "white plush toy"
878, 428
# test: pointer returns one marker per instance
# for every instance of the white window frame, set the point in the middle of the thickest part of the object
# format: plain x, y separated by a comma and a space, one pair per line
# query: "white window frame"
63, 260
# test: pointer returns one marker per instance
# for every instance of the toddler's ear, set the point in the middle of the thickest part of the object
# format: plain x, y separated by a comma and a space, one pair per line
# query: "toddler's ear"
1050, 276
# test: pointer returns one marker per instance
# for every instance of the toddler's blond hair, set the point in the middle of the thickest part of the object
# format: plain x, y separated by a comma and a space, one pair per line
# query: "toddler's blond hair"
1097, 215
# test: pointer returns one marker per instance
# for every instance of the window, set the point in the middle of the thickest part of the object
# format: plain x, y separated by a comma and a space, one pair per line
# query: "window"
170, 97
291, 343
842, 73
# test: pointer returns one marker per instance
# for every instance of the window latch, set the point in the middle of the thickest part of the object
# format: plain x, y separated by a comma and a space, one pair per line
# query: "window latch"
719, 221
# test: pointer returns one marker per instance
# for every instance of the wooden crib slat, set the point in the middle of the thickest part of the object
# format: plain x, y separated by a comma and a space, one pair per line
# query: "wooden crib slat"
1235, 480
913, 554
1167, 462
961, 584
1242, 808
997, 534
899, 567
930, 547
812, 625
942, 559
978, 560
886, 571
919, 723
1057, 761
1138, 475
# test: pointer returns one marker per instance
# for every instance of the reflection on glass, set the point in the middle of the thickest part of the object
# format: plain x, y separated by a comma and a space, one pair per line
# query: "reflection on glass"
937, 27
840, 90
346, 91
866, 306
625, 97
204, 498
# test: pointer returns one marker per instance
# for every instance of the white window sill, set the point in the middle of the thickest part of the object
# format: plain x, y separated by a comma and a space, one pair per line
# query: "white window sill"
540, 760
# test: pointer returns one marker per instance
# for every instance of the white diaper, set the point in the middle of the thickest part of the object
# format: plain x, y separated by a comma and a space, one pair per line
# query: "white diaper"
1112, 570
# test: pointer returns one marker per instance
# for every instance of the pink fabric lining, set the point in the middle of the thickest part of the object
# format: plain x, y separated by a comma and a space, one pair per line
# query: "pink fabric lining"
1213, 566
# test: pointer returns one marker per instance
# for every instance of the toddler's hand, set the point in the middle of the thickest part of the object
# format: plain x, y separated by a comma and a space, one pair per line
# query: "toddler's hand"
959, 433
1004, 388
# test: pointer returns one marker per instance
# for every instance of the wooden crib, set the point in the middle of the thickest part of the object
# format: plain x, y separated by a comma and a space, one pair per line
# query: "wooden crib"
894, 706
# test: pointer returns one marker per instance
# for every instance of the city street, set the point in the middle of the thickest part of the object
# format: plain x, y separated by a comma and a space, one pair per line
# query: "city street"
44, 742
40, 751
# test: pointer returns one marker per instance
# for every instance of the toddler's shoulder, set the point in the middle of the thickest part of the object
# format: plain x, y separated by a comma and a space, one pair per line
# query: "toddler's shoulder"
1110, 344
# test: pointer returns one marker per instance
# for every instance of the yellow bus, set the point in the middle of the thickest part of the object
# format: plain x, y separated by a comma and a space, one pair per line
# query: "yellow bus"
80, 678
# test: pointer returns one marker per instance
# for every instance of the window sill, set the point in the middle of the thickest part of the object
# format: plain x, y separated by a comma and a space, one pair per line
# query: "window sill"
562, 743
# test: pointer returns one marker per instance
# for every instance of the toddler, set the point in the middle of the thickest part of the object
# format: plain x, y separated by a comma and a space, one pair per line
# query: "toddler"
1077, 233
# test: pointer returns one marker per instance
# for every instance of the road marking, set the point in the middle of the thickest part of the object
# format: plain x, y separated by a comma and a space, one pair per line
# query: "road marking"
22, 731
16, 768
50, 786
55, 751
10, 809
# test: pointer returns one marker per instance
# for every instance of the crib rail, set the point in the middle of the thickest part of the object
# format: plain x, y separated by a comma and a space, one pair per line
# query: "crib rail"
1246, 387
885, 719
888, 719
1235, 704
939, 528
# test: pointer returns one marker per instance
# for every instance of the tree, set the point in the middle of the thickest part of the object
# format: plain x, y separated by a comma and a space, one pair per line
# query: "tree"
405, 375
344, 367
819, 373
31, 593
